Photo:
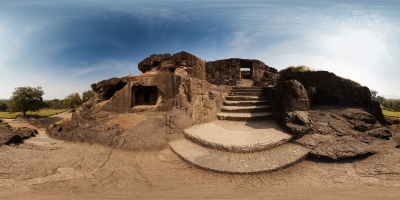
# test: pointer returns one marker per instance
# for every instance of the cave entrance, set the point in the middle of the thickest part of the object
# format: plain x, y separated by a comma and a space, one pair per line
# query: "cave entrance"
246, 69
144, 95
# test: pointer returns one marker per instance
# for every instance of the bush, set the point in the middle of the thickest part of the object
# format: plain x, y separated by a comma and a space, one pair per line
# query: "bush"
300, 68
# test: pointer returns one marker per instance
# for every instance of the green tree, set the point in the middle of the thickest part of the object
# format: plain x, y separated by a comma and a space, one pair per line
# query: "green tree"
374, 93
72, 101
25, 99
87, 95
380, 99
3, 106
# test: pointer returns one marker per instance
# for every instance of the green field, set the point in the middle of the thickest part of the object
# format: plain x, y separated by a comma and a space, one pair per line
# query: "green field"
391, 113
41, 113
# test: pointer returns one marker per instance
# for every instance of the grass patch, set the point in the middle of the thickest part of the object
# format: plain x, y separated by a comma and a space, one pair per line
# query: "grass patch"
391, 113
38, 114
300, 68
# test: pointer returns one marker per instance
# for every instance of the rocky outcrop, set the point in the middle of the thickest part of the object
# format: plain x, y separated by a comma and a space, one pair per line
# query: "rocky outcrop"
197, 102
344, 133
9, 135
182, 63
289, 103
131, 131
332, 147
326, 88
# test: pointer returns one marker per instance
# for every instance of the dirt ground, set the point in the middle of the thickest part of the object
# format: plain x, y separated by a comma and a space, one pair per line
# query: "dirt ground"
39, 123
45, 168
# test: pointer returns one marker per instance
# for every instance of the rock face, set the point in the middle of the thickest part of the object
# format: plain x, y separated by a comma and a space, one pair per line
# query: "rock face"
182, 63
228, 72
10, 135
289, 103
122, 93
344, 133
326, 88
197, 102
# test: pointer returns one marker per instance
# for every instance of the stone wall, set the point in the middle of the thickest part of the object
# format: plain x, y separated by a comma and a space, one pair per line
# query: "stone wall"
223, 72
197, 102
227, 72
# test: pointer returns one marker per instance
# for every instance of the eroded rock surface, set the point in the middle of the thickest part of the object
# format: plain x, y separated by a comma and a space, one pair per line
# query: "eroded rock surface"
131, 131
9, 135
182, 63
197, 102
345, 133
289, 102
325, 88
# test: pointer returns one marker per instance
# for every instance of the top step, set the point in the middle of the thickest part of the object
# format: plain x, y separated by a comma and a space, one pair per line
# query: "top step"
247, 90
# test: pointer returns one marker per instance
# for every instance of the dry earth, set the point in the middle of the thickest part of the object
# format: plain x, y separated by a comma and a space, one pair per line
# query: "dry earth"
45, 168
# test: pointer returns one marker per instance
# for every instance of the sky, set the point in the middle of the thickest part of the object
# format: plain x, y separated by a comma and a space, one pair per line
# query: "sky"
64, 46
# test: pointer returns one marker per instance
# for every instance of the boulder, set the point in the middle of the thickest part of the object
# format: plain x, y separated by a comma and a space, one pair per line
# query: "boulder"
289, 103
9, 135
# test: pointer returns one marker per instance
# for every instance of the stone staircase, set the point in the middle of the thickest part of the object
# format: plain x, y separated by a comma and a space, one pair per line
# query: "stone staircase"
245, 139
245, 104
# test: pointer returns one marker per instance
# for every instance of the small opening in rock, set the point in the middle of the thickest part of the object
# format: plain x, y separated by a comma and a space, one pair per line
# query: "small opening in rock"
144, 95
111, 91
245, 73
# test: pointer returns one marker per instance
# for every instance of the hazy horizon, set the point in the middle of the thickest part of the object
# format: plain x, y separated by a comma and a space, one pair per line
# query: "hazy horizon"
65, 46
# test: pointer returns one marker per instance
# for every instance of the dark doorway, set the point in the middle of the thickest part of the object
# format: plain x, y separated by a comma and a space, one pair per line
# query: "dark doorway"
145, 95
245, 73
246, 69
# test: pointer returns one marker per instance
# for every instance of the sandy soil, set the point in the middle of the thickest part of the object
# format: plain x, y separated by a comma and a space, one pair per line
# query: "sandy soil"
39, 123
45, 168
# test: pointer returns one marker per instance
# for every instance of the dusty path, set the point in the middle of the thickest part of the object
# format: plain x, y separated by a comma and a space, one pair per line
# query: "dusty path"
39, 123
42, 167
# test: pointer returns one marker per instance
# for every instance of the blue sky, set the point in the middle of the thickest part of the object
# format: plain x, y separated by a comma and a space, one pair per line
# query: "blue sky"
64, 46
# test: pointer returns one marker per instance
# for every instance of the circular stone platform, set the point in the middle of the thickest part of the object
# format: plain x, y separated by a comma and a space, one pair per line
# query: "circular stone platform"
238, 136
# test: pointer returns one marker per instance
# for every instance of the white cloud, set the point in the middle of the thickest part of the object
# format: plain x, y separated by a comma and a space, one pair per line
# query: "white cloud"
106, 64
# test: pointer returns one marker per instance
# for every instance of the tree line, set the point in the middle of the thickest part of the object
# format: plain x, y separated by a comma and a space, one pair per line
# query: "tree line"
390, 104
25, 99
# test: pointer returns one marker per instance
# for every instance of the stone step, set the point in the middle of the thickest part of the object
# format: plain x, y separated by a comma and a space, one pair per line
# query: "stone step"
248, 90
245, 98
245, 116
246, 93
213, 135
246, 103
245, 84
246, 109
232, 162
250, 87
